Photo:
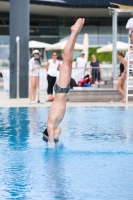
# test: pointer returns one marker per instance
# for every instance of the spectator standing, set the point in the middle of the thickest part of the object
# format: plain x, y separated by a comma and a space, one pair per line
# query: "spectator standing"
81, 64
34, 76
51, 67
129, 27
122, 78
95, 70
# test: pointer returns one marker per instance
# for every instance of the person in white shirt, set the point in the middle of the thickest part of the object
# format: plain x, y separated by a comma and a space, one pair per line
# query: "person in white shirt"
51, 67
81, 63
129, 27
33, 75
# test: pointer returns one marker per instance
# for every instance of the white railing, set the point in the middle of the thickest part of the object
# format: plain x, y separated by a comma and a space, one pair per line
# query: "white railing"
103, 72
6, 78
77, 74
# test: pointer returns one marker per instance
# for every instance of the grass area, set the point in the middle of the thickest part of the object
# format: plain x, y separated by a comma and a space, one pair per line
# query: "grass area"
102, 57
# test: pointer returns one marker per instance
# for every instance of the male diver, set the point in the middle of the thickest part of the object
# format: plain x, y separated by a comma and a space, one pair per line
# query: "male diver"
58, 107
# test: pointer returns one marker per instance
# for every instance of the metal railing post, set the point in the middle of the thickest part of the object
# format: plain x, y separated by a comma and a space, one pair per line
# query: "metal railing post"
114, 39
18, 64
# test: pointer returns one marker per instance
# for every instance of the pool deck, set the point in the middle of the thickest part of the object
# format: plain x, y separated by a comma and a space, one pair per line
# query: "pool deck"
6, 102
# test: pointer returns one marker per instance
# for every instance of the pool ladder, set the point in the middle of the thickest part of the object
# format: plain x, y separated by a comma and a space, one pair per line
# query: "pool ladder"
129, 77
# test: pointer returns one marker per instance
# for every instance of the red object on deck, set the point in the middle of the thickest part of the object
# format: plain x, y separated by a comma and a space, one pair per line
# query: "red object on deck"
84, 80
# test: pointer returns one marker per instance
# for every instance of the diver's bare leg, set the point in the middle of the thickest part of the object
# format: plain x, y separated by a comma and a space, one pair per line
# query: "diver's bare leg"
65, 72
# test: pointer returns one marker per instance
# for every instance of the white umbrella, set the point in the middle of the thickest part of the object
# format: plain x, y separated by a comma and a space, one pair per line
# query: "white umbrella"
61, 46
36, 44
85, 44
121, 46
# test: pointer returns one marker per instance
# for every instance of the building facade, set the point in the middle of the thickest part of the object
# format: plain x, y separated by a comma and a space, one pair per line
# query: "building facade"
50, 20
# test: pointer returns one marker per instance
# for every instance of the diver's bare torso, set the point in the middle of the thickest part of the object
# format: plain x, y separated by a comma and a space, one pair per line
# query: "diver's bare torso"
57, 110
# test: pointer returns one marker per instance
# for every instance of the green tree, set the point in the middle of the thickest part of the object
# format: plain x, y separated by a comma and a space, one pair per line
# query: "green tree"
102, 57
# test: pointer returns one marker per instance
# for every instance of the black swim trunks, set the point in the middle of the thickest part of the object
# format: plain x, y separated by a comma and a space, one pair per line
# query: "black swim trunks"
45, 136
58, 89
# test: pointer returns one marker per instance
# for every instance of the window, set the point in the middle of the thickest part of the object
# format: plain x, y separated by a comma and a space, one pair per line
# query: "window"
4, 53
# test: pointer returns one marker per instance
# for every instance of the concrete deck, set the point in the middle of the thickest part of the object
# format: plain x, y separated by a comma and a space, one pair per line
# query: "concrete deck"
6, 102
96, 95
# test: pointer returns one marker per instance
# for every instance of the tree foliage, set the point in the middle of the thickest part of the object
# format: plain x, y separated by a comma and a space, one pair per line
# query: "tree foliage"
102, 57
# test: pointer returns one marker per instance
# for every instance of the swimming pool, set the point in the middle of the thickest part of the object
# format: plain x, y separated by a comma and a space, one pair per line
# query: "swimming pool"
92, 161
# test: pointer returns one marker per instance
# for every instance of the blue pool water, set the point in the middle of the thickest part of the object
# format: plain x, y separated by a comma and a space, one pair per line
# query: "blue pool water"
92, 161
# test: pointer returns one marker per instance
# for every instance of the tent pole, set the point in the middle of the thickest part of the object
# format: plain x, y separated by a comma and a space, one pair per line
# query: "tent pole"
114, 40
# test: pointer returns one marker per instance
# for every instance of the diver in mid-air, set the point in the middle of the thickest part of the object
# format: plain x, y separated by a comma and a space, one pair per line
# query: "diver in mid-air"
58, 107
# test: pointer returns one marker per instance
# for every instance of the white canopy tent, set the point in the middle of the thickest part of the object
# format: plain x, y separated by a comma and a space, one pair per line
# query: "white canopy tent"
36, 44
40, 45
61, 46
120, 46
85, 44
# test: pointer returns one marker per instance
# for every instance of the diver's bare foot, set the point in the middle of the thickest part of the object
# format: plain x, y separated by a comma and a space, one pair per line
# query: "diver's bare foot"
78, 25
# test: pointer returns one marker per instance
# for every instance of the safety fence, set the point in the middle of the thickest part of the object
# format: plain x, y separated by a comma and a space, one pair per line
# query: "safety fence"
105, 72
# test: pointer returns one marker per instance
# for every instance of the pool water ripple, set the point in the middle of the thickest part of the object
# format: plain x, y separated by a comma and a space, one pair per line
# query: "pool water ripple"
92, 161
